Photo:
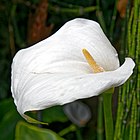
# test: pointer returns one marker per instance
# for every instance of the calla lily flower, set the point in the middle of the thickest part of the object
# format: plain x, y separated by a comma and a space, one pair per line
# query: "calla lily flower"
76, 62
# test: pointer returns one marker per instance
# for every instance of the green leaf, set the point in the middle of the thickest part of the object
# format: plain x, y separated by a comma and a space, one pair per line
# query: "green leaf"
54, 114
25, 131
32, 120
8, 119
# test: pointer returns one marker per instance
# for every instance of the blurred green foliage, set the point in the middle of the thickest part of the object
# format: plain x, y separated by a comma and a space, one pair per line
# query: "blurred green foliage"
8, 119
26, 131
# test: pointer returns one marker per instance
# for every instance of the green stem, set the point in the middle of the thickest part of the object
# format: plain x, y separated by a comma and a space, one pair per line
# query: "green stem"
71, 128
100, 16
18, 40
78, 135
100, 125
117, 133
107, 105
79, 10
113, 21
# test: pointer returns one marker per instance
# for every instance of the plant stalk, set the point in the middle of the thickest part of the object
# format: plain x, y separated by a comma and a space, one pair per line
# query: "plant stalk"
100, 123
107, 105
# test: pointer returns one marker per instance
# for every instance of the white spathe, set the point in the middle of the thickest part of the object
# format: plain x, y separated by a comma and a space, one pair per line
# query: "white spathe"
55, 71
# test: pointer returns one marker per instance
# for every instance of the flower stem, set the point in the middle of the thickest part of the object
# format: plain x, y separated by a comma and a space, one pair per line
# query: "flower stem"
107, 105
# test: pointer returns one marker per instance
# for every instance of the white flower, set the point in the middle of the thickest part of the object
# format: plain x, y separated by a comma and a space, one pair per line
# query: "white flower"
55, 71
